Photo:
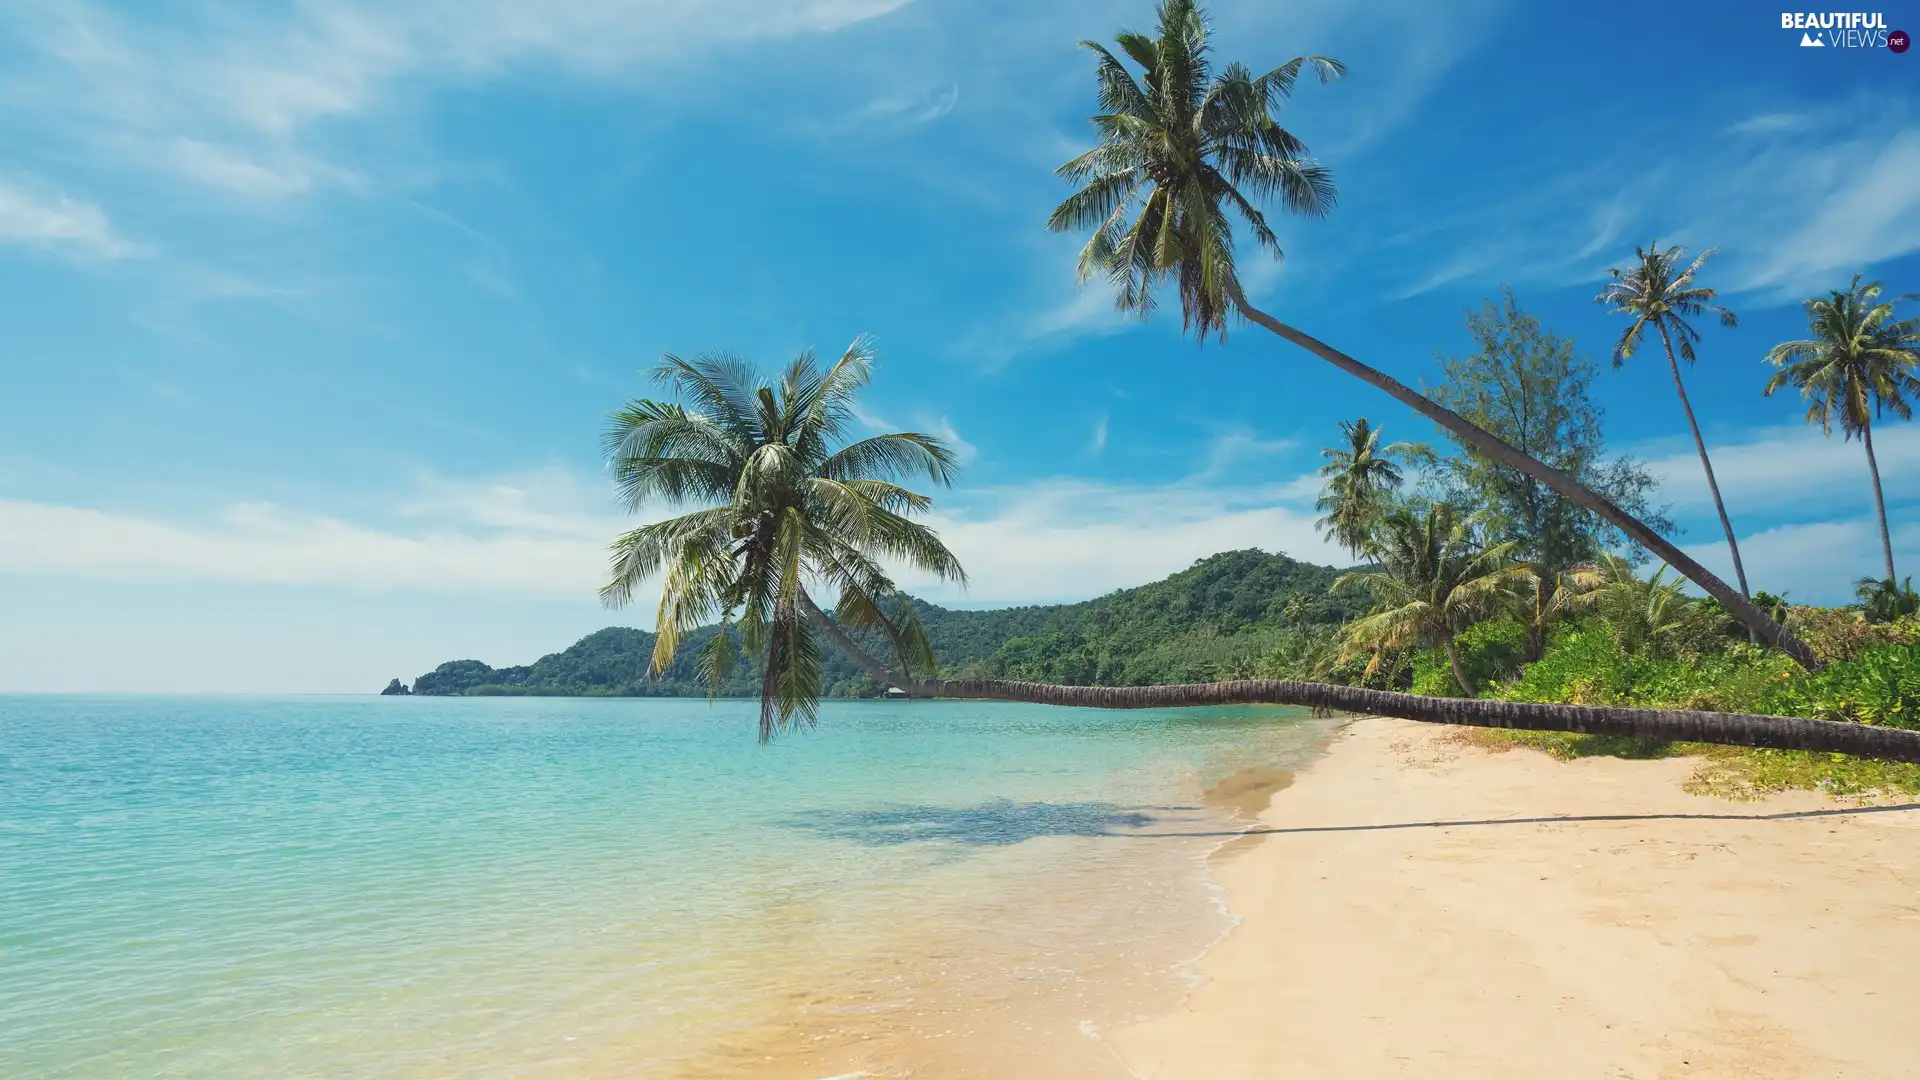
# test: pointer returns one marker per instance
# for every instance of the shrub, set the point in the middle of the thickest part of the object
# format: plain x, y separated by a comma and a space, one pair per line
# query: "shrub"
1587, 665
1845, 634
1488, 651
1880, 686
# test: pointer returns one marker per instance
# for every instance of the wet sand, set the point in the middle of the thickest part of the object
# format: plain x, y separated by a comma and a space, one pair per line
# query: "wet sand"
1406, 913
1032, 955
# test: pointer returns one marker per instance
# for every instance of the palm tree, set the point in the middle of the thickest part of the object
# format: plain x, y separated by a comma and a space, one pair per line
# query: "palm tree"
1549, 599
770, 510
1640, 611
1189, 149
1885, 601
1857, 364
1434, 581
788, 508
1359, 477
1656, 293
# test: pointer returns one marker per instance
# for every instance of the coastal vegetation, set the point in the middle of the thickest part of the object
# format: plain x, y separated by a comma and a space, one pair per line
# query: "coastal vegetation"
1184, 149
770, 507
1237, 614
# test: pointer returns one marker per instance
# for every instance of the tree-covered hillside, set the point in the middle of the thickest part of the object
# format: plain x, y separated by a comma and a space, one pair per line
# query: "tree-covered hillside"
1212, 620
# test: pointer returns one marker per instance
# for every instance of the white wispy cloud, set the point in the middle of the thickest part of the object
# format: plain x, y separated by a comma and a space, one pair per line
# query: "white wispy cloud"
542, 534
230, 99
1814, 562
1771, 469
911, 109
35, 217
1870, 214
1097, 442
1794, 202
1768, 123
1069, 539
264, 544
1235, 446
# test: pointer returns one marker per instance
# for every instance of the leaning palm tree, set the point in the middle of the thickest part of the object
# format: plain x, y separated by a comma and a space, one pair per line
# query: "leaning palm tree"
1857, 365
792, 508
1182, 150
770, 512
1658, 295
1435, 580
1359, 477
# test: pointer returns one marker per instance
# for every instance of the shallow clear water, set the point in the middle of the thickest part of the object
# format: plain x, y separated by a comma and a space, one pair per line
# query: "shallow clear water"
387, 887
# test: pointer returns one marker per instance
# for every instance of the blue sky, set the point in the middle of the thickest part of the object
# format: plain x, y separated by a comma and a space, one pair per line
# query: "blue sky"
313, 311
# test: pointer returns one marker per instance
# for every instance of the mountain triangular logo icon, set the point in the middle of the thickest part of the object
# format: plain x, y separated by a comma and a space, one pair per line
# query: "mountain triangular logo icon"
1808, 41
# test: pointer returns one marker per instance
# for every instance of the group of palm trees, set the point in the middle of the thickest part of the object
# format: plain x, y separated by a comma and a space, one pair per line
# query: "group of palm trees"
1432, 572
780, 509
1858, 364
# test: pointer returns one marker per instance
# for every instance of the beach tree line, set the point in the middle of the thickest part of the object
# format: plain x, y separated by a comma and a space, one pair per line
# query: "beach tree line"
777, 505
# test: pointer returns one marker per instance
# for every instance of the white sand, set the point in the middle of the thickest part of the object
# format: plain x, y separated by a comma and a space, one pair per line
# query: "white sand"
1653, 947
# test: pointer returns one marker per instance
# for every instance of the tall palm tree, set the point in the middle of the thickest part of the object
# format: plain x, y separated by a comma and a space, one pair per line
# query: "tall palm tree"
1183, 150
1857, 364
1657, 294
1359, 477
789, 507
1435, 580
770, 510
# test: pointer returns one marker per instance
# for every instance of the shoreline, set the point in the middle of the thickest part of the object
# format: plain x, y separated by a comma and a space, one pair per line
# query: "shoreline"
1036, 953
1412, 905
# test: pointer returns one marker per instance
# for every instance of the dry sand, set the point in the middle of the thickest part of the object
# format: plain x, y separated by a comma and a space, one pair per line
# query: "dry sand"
1399, 922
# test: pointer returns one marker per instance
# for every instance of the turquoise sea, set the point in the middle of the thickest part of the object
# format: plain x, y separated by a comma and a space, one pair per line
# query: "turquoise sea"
534, 887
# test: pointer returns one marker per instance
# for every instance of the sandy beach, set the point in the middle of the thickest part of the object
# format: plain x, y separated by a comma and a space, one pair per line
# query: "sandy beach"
1407, 912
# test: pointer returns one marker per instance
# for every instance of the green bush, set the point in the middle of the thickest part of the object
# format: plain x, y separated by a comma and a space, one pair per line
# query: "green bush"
1881, 686
1587, 665
1844, 633
1488, 651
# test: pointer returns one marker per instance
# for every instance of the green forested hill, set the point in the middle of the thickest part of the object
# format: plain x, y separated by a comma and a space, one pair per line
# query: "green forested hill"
1212, 620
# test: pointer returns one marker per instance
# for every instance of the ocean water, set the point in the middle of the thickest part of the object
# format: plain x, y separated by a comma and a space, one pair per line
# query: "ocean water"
538, 887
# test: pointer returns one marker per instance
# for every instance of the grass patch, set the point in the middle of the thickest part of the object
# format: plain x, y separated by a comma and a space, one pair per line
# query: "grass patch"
1734, 773
1566, 745
1743, 775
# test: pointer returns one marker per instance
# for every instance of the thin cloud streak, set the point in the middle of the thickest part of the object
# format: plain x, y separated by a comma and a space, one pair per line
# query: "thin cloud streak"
55, 222
543, 534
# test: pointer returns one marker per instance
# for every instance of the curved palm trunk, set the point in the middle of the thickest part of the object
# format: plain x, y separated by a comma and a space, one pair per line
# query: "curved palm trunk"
1674, 725
1459, 672
1506, 454
1700, 444
1879, 500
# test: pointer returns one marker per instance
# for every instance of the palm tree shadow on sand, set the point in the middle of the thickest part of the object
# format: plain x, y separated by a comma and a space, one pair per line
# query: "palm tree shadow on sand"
1004, 822
995, 823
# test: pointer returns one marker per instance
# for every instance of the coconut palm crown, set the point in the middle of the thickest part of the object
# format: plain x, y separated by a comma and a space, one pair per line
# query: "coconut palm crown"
1435, 580
1661, 297
1180, 146
1858, 365
773, 503
1359, 477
